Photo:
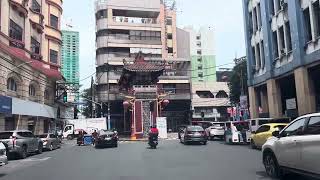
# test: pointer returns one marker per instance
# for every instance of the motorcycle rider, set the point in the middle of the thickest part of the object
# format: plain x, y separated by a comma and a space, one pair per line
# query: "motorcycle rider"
154, 132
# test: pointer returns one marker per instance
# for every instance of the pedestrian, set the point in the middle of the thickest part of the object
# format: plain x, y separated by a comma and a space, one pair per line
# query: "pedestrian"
94, 136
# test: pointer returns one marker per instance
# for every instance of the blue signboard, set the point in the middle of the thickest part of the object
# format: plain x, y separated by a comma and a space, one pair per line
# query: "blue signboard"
5, 105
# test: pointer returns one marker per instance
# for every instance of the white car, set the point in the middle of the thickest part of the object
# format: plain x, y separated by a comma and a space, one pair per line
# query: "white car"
215, 131
3, 154
295, 149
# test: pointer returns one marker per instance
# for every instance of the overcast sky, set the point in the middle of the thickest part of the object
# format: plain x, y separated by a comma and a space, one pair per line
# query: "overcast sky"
225, 18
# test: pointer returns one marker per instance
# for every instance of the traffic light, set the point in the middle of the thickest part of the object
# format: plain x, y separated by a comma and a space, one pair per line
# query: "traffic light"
65, 96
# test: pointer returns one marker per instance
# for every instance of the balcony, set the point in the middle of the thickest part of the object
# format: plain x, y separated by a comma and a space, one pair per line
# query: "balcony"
16, 43
102, 24
52, 32
20, 6
135, 23
55, 3
125, 41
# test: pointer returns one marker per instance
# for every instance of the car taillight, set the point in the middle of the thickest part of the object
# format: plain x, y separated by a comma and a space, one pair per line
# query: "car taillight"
13, 139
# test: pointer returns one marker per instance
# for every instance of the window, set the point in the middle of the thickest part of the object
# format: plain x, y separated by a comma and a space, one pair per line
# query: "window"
198, 43
258, 56
275, 44
32, 90
169, 88
198, 37
259, 16
250, 23
11, 84
169, 36
53, 56
262, 54
262, 129
316, 11
199, 52
294, 129
16, 32
170, 50
36, 6
222, 94
288, 36
254, 14
102, 14
169, 21
200, 74
253, 122
253, 56
272, 7
278, 5
200, 67
35, 46
307, 24
313, 126
282, 41
54, 21
199, 58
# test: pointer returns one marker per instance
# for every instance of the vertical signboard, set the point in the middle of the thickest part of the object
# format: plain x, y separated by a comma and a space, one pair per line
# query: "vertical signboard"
162, 127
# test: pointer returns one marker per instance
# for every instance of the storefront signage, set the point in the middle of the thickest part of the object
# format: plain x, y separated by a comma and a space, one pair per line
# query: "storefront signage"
5, 105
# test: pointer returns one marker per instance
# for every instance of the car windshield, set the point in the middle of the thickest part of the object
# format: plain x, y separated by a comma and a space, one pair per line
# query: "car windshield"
5, 135
195, 128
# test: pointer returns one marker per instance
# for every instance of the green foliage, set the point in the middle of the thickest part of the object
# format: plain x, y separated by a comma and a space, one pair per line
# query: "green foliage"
238, 82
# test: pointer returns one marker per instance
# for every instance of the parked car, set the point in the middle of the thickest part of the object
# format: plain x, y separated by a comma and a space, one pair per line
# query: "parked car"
295, 148
21, 142
193, 134
216, 130
50, 141
3, 154
181, 130
264, 132
106, 138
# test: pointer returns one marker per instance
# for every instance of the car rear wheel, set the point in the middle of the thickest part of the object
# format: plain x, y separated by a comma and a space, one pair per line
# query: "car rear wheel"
69, 137
40, 148
24, 152
271, 165
51, 147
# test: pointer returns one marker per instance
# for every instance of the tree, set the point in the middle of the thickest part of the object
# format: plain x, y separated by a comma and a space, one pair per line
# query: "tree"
87, 107
238, 82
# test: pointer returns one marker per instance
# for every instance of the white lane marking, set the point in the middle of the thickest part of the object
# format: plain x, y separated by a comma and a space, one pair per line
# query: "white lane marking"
36, 159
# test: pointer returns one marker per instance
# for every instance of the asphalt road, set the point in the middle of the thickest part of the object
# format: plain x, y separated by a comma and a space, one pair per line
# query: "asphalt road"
135, 161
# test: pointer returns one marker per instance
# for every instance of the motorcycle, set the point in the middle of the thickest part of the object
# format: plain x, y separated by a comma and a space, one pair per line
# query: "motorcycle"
153, 141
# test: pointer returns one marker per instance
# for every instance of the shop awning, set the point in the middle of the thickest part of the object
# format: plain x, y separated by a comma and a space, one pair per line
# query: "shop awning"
29, 108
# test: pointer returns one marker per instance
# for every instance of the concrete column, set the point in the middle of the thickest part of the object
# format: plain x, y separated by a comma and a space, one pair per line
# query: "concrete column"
264, 101
110, 15
39, 126
274, 98
21, 122
305, 91
253, 100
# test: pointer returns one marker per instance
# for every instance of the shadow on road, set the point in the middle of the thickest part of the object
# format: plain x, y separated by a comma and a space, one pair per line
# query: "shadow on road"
1, 175
264, 175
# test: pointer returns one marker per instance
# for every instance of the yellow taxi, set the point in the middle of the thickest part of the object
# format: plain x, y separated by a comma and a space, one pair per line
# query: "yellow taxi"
259, 137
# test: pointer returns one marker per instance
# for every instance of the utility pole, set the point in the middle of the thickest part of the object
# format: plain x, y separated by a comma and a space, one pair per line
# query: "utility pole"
108, 95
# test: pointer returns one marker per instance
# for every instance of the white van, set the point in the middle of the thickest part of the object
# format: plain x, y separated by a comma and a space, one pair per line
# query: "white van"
237, 132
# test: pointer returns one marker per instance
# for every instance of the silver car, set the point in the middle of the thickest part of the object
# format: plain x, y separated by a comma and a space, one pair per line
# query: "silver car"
21, 142
3, 154
50, 141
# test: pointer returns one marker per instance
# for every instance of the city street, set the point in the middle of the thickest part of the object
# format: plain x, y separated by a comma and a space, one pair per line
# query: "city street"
135, 161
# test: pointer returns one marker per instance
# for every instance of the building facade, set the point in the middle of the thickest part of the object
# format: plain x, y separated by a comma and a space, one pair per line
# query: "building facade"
30, 42
282, 39
70, 63
125, 28
210, 101
202, 54
70, 56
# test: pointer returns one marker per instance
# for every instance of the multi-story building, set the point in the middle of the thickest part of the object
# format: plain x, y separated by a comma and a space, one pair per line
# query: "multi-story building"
282, 39
210, 101
70, 62
202, 54
125, 28
70, 56
30, 42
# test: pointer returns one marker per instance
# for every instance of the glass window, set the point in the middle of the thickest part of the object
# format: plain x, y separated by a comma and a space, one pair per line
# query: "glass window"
279, 127
52, 136
169, 21
35, 46
275, 44
294, 129
11, 84
15, 31
46, 95
28, 134
54, 21
36, 6
313, 126
5, 135
53, 56
307, 24
253, 122
316, 10
32, 90
288, 36
263, 128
